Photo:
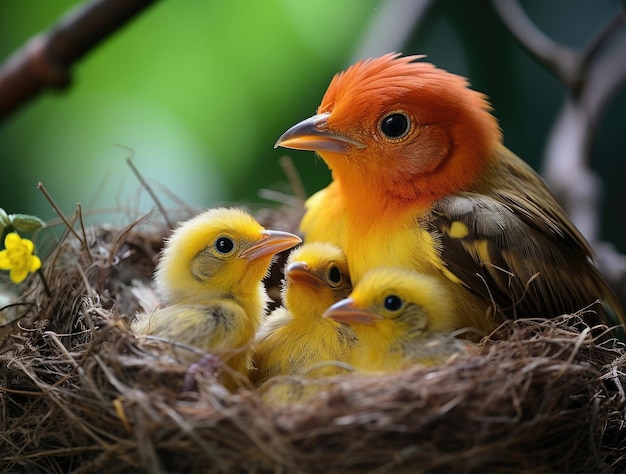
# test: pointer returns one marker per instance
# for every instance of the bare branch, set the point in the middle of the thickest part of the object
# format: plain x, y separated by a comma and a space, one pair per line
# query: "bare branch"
566, 64
145, 185
569, 143
565, 168
560, 60
391, 27
615, 23
604, 78
592, 76
46, 60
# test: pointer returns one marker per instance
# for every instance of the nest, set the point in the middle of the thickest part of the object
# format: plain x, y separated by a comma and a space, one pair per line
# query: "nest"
79, 393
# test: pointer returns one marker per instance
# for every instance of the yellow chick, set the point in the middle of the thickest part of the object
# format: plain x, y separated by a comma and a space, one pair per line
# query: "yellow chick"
296, 339
400, 318
209, 279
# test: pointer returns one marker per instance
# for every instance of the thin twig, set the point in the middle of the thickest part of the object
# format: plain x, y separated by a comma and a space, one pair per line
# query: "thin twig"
57, 342
79, 213
121, 237
45, 283
286, 163
56, 208
145, 185
45, 62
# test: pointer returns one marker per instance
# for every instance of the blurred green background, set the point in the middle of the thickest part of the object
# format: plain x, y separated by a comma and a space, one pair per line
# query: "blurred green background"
201, 90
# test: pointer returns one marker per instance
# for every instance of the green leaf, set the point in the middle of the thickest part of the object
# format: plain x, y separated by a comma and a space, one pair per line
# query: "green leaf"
4, 220
25, 222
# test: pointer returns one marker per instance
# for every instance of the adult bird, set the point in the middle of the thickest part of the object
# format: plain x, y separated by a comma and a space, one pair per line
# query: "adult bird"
295, 339
209, 279
400, 318
421, 179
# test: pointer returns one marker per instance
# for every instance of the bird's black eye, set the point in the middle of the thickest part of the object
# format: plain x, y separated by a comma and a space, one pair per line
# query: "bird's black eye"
393, 303
395, 126
334, 275
224, 245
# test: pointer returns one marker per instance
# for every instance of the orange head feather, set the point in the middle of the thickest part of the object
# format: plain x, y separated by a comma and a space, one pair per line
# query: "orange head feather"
441, 133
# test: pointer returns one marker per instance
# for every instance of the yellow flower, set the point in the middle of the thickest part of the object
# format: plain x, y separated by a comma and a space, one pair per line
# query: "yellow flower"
18, 257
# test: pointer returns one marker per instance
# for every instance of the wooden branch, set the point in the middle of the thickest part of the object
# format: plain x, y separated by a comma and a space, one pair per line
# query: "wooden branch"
592, 76
566, 164
45, 62
559, 60
567, 65
391, 27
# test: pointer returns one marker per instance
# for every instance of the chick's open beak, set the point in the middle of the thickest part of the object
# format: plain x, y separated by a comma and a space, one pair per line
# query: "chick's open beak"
312, 134
346, 311
270, 243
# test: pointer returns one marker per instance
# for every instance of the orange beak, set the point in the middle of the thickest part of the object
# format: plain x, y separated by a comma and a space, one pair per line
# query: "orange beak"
312, 134
299, 272
346, 311
270, 243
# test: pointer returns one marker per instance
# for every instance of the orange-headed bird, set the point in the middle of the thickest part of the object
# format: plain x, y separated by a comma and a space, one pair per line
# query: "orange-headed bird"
421, 179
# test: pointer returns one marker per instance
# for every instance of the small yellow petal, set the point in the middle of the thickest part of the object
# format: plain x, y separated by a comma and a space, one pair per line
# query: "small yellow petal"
12, 240
18, 274
5, 262
35, 263
28, 246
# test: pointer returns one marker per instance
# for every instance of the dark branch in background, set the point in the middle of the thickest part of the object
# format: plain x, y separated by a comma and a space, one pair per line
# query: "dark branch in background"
391, 27
591, 76
45, 62
567, 65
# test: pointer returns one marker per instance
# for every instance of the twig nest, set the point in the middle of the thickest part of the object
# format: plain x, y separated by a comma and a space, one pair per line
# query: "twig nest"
80, 393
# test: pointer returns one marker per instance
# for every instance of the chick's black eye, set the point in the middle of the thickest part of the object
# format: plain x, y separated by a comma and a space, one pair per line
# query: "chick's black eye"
334, 275
393, 303
395, 125
224, 245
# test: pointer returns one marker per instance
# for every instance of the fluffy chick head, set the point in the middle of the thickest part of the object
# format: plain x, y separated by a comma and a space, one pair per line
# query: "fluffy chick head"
223, 252
398, 300
316, 276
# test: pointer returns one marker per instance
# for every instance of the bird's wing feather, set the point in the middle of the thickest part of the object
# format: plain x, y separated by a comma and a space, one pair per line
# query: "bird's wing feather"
208, 326
517, 254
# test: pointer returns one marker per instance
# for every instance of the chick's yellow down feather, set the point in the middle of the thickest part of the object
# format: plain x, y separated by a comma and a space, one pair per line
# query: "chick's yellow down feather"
209, 279
400, 318
296, 339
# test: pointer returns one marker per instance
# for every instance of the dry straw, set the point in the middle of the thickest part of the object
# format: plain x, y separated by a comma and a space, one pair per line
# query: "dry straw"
79, 393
